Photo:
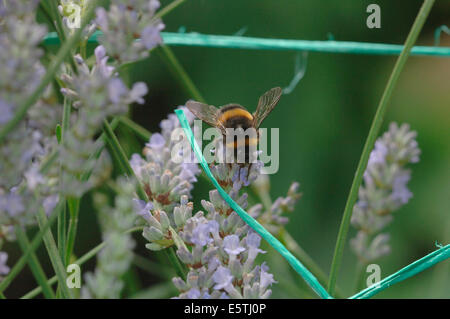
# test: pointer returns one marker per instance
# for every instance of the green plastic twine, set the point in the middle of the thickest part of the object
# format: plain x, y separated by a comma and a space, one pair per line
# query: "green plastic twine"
275, 243
251, 43
412, 269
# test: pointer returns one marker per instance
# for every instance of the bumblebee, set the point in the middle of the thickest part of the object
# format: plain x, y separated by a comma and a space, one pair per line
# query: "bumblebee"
235, 116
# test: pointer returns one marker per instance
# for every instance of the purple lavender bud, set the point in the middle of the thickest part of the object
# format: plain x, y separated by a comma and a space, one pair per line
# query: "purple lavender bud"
136, 163
34, 177
193, 293
116, 90
400, 191
100, 53
213, 226
232, 246
179, 283
153, 5
201, 235
157, 141
6, 112
138, 91
15, 205
222, 278
50, 203
378, 155
253, 240
102, 19
266, 279
142, 208
4, 269
151, 35
102, 59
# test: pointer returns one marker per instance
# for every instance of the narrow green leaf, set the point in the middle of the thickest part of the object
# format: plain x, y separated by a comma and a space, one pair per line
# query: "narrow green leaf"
62, 218
55, 258
140, 131
156, 269
179, 73
51, 8
158, 291
94, 251
120, 156
62, 224
66, 116
85, 176
168, 8
74, 210
58, 132
31, 248
34, 264
173, 258
132, 282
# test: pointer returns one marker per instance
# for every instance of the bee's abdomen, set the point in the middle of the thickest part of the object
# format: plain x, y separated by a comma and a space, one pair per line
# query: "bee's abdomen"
246, 146
235, 116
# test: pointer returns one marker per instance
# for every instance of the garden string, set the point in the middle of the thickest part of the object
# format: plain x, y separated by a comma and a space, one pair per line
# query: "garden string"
412, 269
240, 42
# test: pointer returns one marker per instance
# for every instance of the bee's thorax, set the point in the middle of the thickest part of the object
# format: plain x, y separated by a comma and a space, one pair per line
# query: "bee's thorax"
235, 116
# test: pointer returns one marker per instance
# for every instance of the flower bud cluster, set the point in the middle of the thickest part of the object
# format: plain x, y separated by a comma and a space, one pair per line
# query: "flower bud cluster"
274, 219
165, 182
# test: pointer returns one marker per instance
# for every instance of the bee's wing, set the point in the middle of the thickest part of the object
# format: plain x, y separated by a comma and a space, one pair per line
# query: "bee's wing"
207, 113
266, 103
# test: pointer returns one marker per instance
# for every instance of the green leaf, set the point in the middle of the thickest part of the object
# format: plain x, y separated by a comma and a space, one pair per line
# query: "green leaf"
34, 264
55, 258
31, 248
140, 131
158, 291
94, 251
58, 133
74, 210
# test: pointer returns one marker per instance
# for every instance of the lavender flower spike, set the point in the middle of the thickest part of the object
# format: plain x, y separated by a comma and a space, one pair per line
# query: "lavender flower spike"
22, 186
115, 258
97, 93
384, 190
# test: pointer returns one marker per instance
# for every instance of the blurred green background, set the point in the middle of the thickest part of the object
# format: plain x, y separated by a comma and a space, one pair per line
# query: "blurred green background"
323, 125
